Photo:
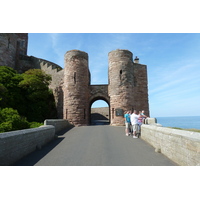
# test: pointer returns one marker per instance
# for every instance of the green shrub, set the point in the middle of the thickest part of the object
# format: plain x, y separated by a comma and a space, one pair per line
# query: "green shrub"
186, 129
5, 127
28, 93
10, 120
35, 124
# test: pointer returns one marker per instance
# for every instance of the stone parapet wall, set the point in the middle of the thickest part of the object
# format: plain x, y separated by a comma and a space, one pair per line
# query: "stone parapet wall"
102, 113
15, 145
182, 147
59, 124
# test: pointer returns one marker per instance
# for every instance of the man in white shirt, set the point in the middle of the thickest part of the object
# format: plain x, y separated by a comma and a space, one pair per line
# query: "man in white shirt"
134, 122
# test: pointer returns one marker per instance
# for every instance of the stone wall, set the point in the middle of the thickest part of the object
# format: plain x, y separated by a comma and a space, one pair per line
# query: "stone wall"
59, 124
140, 93
8, 45
12, 46
128, 87
15, 145
76, 88
182, 147
100, 113
56, 72
121, 84
98, 92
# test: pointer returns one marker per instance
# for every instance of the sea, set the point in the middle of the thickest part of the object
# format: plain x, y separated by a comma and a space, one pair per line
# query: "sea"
180, 122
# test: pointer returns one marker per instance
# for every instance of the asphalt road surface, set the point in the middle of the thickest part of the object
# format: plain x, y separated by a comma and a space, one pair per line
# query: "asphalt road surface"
96, 146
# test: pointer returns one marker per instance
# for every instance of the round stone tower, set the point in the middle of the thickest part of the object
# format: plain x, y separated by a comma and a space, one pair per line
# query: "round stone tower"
121, 84
76, 87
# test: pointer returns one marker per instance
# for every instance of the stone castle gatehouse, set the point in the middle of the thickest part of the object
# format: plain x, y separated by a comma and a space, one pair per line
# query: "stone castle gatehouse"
127, 87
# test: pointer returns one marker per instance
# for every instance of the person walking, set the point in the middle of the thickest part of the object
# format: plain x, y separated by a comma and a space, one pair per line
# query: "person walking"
127, 123
134, 122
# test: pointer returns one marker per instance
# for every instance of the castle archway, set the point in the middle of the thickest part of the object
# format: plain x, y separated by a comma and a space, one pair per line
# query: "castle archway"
99, 115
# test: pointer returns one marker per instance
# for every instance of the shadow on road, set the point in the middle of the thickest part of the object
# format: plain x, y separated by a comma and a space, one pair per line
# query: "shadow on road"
32, 158
99, 122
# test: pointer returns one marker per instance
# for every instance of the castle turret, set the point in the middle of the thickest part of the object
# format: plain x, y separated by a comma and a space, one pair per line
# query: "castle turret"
121, 84
140, 87
76, 88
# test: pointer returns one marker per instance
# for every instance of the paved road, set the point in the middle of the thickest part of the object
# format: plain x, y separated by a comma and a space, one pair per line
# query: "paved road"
96, 146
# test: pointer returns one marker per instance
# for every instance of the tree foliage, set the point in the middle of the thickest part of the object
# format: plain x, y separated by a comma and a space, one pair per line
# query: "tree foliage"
37, 95
9, 90
28, 93
10, 120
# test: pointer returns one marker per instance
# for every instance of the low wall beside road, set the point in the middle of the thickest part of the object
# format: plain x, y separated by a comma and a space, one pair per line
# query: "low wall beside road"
15, 145
59, 124
182, 147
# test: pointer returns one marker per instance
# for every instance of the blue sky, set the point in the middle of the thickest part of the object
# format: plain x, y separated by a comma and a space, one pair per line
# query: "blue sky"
172, 60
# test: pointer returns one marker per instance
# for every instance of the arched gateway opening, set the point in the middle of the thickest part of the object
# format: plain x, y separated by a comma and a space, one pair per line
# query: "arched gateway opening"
99, 112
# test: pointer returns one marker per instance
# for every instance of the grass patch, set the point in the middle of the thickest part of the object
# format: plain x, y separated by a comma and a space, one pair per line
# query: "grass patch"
186, 129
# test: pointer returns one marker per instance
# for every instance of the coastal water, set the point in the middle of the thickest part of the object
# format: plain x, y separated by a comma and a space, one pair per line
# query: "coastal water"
180, 122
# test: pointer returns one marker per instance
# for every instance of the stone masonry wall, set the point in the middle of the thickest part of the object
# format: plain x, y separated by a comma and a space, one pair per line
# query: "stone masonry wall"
76, 88
98, 92
127, 85
8, 46
12, 46
104, 112
15, 145
182, 147
141, 88
56, 72
59, 124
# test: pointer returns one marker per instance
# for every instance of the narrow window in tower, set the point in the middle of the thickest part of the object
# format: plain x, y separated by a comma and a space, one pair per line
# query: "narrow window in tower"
120, 74
66, 113
21, 52
113, 110
8, 42
74, 77
84, 113
21, 44
135, 81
